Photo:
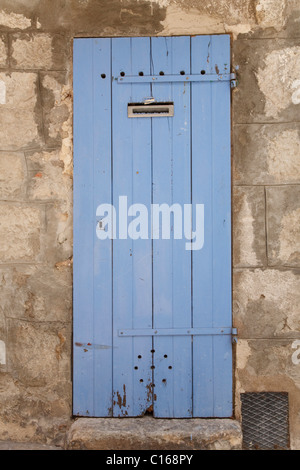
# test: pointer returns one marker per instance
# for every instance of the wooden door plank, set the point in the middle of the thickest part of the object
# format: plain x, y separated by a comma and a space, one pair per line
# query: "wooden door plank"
222, 315
212, 389
132, 261
171, 262
92, 262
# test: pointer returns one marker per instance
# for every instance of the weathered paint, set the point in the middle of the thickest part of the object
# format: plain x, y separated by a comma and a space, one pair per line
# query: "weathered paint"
167, 312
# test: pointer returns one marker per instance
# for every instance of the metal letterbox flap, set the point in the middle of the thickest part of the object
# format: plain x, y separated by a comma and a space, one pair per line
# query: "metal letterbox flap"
151, 110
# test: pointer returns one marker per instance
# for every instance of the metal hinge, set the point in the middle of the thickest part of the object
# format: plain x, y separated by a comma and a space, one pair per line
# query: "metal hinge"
234, 335
180, 332
221, 77
233, 80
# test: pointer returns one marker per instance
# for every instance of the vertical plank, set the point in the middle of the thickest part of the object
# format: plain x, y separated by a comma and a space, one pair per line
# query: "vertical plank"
92, 258
142, 248
122, 249
171, 262
221, 228
102, 327
132, 262
83, 391
202, 268
212, 265
182, 315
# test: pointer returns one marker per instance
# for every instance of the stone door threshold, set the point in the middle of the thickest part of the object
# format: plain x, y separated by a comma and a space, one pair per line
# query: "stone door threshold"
148, 433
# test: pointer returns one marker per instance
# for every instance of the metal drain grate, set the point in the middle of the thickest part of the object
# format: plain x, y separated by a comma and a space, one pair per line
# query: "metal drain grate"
265, 423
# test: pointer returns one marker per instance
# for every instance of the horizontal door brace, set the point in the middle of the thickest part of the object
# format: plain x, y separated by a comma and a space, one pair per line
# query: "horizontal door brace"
177, 78
178, 332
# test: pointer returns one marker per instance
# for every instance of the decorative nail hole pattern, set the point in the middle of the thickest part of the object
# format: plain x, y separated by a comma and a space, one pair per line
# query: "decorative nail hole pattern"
170, 367
141, 74
103, 75
182, 72
202, 72
161, 73
139, 356
166, 355
141, 380
136, 367
152, 351
122, 74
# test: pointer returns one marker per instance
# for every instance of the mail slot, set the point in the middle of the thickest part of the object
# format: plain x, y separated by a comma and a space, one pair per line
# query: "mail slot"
150, 110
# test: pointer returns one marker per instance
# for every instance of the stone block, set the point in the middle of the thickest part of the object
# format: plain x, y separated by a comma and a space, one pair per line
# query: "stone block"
38, 51
249, 240
12, 175
283, 225
268, 80
3, 50
20, 116
38, 353
266, 154
36, 393
35, 293
58, 238
20, 229
275, 19
12, 20
57, 107
148, 433
47, 180
266, 303
102, 18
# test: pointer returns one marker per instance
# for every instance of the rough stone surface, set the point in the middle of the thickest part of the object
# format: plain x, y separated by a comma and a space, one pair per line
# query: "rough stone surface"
35, 387
249, 246
125, 17
11, 445
258, 18
38, 51
14, 20
41, 358
283, 225
3, 51
47, 180
57, 106
150, 434
266, 303
18, 110
269, 74
270, 13
58, 238
284, 87
32, 52
36, 293
12, 175
266, 154
20, 229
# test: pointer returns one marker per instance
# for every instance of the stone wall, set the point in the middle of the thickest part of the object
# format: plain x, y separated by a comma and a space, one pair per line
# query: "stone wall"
36, 193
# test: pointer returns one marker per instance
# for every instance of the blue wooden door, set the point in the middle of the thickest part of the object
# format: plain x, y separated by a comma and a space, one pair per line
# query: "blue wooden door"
152, 236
